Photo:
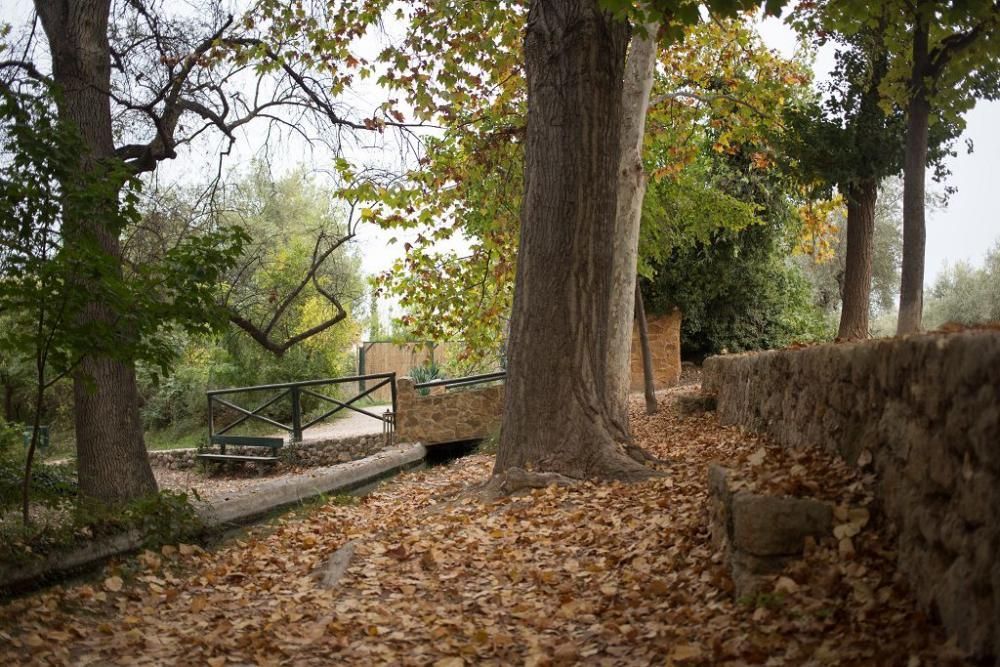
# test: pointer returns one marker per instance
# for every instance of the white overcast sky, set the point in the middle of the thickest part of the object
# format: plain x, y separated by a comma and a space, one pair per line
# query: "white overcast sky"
963, 231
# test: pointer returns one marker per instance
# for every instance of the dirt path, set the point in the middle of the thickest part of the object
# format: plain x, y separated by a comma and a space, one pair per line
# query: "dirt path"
594, 574
352, 425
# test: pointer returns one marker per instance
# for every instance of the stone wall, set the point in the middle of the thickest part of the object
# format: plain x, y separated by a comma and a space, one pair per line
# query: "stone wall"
463, 413
309, 453
923, 412
664, 347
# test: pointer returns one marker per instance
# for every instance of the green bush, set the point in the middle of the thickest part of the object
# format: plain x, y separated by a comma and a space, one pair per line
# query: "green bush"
737, 293
426, 373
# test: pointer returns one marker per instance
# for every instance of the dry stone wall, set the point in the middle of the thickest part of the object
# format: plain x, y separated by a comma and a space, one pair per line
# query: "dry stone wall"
924, 413
315, 453
465, 413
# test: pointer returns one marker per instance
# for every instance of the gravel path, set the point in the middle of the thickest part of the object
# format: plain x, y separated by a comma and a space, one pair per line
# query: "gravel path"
353, 424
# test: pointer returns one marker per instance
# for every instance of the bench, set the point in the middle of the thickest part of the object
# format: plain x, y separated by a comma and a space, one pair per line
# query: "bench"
242, 441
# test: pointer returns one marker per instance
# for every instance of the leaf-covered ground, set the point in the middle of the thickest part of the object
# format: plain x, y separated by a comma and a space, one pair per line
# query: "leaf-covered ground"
601, 574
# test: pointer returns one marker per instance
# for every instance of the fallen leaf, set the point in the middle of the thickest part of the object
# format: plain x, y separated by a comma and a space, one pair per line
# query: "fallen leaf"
684, 652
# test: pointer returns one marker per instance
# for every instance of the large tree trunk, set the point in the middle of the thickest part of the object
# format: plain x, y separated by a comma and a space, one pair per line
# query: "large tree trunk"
911, 289
556, 413
638, 83
857, 286
111, 456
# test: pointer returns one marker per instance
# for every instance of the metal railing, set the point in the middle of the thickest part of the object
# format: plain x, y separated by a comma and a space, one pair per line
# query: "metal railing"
295, 391
463, 382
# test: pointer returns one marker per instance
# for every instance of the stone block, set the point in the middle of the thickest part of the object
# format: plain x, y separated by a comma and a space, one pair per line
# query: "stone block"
777, 526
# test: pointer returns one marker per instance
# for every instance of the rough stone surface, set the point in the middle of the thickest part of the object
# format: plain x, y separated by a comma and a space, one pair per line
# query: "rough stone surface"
760, 534
308, 453
694, 404
665, 349
924, 413
464, 413
777, 526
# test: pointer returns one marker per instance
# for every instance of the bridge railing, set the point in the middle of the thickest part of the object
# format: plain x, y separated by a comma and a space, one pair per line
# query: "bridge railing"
466, 381
295, 391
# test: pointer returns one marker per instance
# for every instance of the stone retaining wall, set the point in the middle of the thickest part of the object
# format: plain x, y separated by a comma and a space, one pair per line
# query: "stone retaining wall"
308, 453
464, 413
924, 413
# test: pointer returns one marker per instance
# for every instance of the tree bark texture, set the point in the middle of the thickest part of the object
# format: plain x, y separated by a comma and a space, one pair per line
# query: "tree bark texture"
638, 82
556, 415
648, 382
857, 285
111, 455
911, 288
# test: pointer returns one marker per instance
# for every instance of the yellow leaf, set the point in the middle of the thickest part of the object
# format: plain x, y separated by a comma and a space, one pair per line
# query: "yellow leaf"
686, 652
786, 585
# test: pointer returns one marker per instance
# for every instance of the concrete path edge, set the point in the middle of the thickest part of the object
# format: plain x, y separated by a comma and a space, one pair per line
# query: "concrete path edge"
268, 497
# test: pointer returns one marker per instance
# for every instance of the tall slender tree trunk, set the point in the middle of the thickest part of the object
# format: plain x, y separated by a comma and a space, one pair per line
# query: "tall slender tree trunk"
111, 456
648, 381
857, 286
556, 413
911, 289
638, 82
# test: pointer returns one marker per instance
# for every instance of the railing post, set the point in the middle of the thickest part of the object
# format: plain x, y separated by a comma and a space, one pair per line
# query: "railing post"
296, 414
392, 386
211, 421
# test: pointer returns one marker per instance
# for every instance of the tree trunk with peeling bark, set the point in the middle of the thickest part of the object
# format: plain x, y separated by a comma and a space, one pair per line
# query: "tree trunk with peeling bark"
111, 455
857, 286
557, 414
638, 83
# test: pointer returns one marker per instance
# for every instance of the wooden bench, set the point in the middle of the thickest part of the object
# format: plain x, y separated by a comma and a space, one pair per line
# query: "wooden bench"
273, 444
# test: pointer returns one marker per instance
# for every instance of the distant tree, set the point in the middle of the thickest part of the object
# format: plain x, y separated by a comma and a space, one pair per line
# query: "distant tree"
850, 142
827, 273
139, 82
966, 294
948, 57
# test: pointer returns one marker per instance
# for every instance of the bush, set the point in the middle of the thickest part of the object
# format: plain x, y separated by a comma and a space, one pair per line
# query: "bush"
736, 293
426, 373
166, 517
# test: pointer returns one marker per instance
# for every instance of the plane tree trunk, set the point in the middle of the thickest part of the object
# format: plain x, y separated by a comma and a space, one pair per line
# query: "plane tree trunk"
638, 82
111, 456
911, 288
857, 286
557, 416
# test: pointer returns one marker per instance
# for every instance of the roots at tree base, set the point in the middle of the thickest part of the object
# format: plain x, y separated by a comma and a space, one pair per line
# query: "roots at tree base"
620, 463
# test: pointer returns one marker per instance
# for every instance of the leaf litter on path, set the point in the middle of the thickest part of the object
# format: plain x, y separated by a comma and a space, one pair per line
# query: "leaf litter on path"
602, 574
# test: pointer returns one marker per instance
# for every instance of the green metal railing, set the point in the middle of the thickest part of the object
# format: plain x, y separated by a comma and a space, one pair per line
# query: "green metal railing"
466, 381
295, 391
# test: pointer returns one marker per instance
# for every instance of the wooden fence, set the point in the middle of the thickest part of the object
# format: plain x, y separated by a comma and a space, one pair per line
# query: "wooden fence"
383, 356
